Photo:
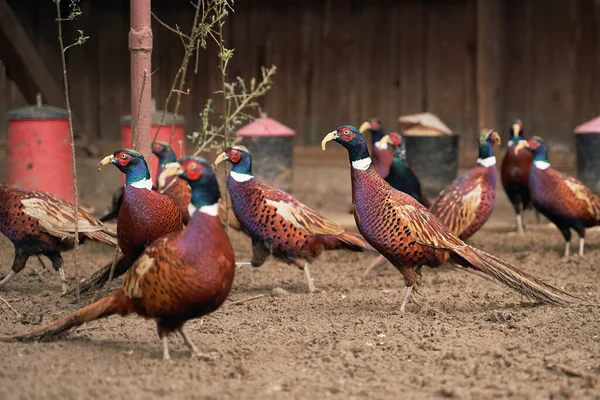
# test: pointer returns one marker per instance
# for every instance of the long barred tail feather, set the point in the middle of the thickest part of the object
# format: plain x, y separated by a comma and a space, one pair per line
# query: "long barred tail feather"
101, 276
347, 241
512, 276
114, 303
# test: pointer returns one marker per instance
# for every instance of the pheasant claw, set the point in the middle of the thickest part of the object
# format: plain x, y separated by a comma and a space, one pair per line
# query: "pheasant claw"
309, 280
409, 290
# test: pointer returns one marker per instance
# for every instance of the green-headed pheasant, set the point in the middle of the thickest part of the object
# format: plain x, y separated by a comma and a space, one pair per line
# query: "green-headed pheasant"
564, 200
277, 223
409, 236
145, 215
181, 276
515, 173
38, 223
467, 202
401, 175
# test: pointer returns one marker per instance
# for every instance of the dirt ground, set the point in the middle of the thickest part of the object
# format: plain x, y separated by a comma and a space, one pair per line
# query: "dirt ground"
467, 337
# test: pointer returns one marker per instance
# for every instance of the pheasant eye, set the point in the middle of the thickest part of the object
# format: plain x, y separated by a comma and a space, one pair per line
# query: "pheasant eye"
123, 155
235, 156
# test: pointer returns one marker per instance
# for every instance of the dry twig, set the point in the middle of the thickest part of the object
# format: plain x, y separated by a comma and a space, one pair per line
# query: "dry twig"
11, 307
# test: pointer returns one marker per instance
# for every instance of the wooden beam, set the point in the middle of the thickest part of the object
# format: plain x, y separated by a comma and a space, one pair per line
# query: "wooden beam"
490, 64
24, 64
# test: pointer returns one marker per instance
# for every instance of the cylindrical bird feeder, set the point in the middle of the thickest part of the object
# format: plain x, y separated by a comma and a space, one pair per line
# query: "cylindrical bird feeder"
39, 149
431, 150
271, 145
587, 139
164, 135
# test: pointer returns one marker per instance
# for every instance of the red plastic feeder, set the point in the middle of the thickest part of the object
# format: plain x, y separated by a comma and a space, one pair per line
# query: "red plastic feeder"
164, 135
39, 149
272, 146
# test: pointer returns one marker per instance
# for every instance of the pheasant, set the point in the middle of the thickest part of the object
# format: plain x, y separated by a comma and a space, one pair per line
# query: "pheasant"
515, 173
401, 176
564, 200
382, 157
178, 277
277, 223
467, 202
173, 186
180, 193
38, 223
145, 215
409, 236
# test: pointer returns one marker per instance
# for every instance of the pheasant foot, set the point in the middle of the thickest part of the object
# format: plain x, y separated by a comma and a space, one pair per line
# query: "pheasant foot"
581, 244
63, 281
243, 264
166, 355
520, 224
7, 278
409, 290
309, 280
567, 247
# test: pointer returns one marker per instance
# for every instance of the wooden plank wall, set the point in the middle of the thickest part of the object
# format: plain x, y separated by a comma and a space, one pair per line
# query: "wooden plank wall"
343, 61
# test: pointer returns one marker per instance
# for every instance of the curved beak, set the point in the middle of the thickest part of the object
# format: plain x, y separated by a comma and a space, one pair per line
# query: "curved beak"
365, 126
105, 160
516, 130
521, 145
220, 158
173, 170
383, 143
329, 137
496, 138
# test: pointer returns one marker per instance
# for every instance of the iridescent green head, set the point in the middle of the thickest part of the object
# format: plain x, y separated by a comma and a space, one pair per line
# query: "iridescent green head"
130, 162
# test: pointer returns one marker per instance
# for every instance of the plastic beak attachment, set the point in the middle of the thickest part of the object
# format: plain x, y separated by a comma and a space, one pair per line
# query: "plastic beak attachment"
105, 160
383, 143
173, 170
364, 127
329, 137
521, 145
220, 158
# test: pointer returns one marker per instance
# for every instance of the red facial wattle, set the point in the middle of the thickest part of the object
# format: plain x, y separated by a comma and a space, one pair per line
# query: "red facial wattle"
234, 156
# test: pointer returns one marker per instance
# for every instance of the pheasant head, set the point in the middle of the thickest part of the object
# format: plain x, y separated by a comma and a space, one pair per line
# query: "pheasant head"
132, 164
537, 146
349, 137
164, 152
239, 157
487, 139
396, 141
375, 127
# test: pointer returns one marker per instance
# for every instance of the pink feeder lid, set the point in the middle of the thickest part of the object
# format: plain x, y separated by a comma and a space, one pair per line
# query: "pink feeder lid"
265, 127
591, 126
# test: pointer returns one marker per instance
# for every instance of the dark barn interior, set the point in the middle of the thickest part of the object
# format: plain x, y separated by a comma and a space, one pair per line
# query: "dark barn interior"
473, 63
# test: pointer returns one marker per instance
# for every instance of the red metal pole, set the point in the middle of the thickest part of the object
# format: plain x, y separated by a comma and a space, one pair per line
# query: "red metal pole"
140, 46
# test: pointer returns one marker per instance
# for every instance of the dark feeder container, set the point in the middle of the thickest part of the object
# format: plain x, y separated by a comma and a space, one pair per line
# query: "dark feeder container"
434, 160
587, 140
272, 147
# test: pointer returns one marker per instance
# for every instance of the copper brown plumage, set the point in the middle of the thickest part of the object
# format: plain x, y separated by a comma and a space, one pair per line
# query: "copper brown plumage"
178, 277
38, 223
515, 173
409, 236
467, 203
279, 224
564, 200
382, 158
145, 215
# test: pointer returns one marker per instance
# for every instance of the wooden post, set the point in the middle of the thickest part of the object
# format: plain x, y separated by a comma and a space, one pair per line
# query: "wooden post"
490, 65
140, 46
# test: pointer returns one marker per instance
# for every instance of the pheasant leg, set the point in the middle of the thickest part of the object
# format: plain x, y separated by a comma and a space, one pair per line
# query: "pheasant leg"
375, 266
581, 244
520, 224
63, 280
409, 290
567, 247
195, 352
165, 342
309, 280
7, 278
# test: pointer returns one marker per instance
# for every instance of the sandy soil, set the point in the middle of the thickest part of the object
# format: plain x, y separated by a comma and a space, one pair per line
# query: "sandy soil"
467, 337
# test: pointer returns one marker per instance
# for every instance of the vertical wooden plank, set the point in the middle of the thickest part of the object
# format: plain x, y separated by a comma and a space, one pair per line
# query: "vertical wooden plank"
490, 56
586, 80
448, 37
113, 56
553, 61
3, 104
